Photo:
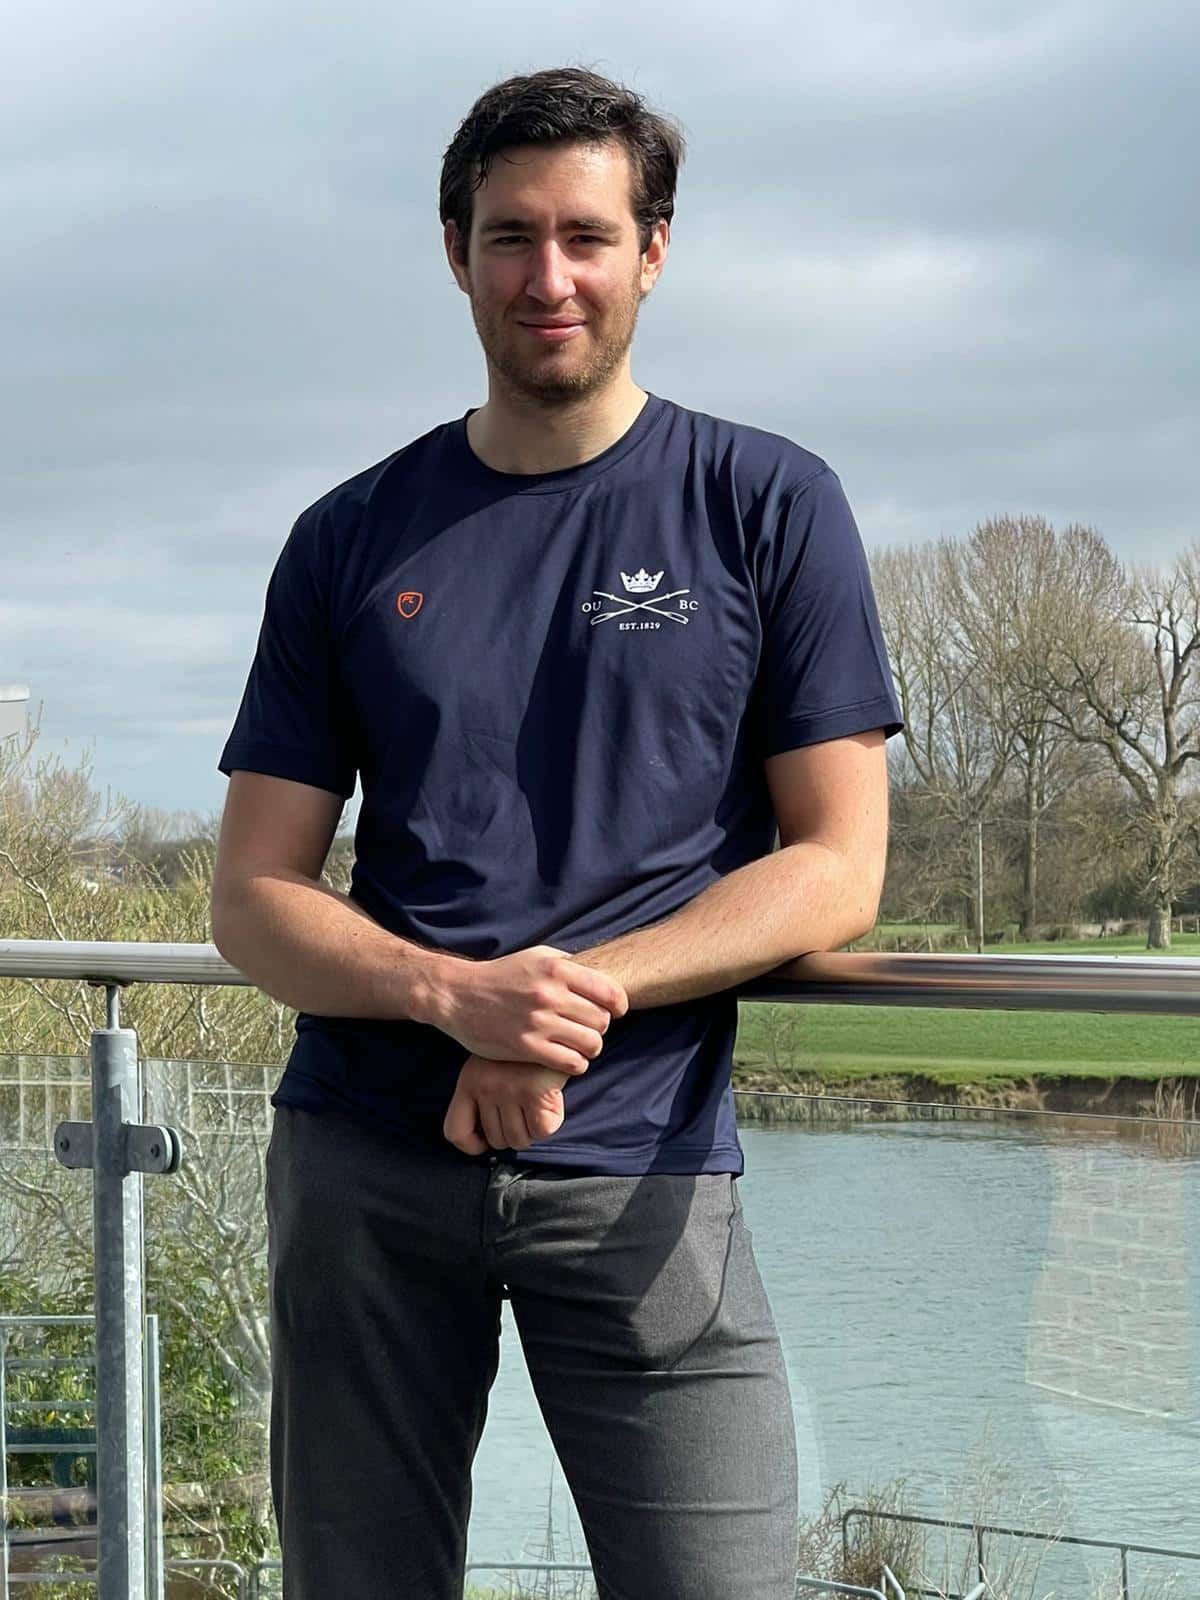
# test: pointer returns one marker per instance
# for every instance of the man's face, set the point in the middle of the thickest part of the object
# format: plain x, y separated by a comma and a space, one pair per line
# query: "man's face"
541, 265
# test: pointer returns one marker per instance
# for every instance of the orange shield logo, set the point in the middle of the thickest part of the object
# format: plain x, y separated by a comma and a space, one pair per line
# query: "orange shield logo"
409, 603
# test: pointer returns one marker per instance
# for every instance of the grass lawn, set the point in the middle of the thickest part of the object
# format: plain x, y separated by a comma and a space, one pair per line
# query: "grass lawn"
843, 1042
894, 930
1129, 944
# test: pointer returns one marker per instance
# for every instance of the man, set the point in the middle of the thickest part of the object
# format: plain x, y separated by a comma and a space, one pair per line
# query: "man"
589, 651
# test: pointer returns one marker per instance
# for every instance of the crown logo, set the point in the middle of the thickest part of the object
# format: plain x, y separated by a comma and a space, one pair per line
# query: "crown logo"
641, 582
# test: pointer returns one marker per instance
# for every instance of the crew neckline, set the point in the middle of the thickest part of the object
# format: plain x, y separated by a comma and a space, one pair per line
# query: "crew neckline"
563, 478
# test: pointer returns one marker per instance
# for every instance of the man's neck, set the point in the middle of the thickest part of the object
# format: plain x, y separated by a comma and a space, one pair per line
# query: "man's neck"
547, 440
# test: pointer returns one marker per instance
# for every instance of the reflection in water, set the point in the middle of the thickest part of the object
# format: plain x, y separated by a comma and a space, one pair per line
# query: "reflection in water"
1003, 1314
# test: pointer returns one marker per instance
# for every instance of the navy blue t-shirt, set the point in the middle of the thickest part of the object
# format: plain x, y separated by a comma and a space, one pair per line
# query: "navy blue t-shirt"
559, 690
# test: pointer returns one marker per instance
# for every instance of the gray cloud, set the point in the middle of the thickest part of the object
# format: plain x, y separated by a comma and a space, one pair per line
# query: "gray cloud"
950, 247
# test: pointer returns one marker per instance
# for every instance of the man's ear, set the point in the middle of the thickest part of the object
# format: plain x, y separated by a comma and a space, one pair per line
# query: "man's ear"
451, 242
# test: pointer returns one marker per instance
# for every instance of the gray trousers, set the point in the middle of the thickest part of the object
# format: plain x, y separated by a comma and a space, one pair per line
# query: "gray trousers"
648, 1337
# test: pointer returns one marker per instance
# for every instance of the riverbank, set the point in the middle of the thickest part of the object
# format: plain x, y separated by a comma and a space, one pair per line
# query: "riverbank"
1065, 1062
882, 1095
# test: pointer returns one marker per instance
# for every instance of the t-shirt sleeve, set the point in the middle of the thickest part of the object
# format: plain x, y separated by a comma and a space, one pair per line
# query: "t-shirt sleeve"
823, 671
294, 721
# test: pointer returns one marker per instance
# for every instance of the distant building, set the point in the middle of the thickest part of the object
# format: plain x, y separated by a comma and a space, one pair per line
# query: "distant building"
13, 699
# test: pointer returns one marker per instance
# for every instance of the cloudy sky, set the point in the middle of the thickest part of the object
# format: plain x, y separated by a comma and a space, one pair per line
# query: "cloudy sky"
950, 245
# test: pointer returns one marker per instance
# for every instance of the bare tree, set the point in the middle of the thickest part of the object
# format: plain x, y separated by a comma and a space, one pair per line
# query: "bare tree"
996, 583
956, 744
1121, 677
51, 888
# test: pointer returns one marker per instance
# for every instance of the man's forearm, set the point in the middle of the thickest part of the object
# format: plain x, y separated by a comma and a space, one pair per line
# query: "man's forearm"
314, 949
803, 897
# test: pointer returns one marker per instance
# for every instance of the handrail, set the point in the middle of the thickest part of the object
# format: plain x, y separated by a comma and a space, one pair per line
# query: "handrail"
116, 961
1116, 983
119, 1150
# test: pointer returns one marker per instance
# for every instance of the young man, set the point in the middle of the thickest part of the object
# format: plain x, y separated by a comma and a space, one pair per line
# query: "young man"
589, 650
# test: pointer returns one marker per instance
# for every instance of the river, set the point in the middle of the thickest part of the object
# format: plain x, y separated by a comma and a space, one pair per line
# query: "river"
1004, 1313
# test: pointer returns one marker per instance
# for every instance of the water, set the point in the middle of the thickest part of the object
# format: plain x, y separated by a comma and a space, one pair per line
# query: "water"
1004, 1314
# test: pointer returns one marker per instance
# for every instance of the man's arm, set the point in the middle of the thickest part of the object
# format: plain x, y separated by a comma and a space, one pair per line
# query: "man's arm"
818, 891
294, 937
314, 949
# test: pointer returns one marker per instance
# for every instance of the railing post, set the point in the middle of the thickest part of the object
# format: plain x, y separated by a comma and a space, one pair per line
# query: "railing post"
118, 1243
155, 1575
118, 1149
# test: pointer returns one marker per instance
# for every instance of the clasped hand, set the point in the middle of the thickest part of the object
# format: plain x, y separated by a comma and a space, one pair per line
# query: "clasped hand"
503, 1105
531, 1020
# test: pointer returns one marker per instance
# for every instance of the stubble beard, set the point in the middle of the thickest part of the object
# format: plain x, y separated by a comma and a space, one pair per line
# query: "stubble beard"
548, 373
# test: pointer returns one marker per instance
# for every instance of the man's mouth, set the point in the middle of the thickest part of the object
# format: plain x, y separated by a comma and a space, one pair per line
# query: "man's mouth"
554, 334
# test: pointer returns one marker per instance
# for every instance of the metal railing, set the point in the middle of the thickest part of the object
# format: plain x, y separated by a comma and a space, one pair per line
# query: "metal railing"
248, 1585
980, 1530
242, 1581
119, 1150
58, 1443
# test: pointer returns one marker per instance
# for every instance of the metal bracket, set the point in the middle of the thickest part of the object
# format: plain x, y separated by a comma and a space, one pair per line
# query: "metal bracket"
145, 1148
73, 1144
150, 1149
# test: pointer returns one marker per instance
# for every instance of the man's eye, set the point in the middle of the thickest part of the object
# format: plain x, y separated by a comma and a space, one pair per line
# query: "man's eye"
509, 238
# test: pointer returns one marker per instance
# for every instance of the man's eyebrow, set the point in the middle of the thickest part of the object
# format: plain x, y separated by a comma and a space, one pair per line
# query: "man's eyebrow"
525, 225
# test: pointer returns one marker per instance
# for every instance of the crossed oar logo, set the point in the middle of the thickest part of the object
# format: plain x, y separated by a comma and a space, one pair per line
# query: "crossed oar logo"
640, 583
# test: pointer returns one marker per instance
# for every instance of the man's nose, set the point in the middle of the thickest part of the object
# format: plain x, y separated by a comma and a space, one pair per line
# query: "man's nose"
550, 277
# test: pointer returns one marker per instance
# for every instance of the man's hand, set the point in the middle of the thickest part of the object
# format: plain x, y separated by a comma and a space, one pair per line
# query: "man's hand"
537, 1006
503, 1105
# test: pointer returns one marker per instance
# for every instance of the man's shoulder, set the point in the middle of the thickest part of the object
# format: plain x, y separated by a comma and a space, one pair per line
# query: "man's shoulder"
758, 452
341, 508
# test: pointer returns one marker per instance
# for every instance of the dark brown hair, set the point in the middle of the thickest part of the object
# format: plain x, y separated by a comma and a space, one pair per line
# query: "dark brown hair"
563, 105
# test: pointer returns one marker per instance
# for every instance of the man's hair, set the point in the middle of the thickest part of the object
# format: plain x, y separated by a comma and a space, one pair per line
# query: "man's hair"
563, 105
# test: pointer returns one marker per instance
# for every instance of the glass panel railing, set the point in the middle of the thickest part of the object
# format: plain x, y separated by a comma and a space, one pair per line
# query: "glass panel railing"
205, 1243
988, 1322
989, 1312
991, 1321
47, 1366
206, 1276
48, 1403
